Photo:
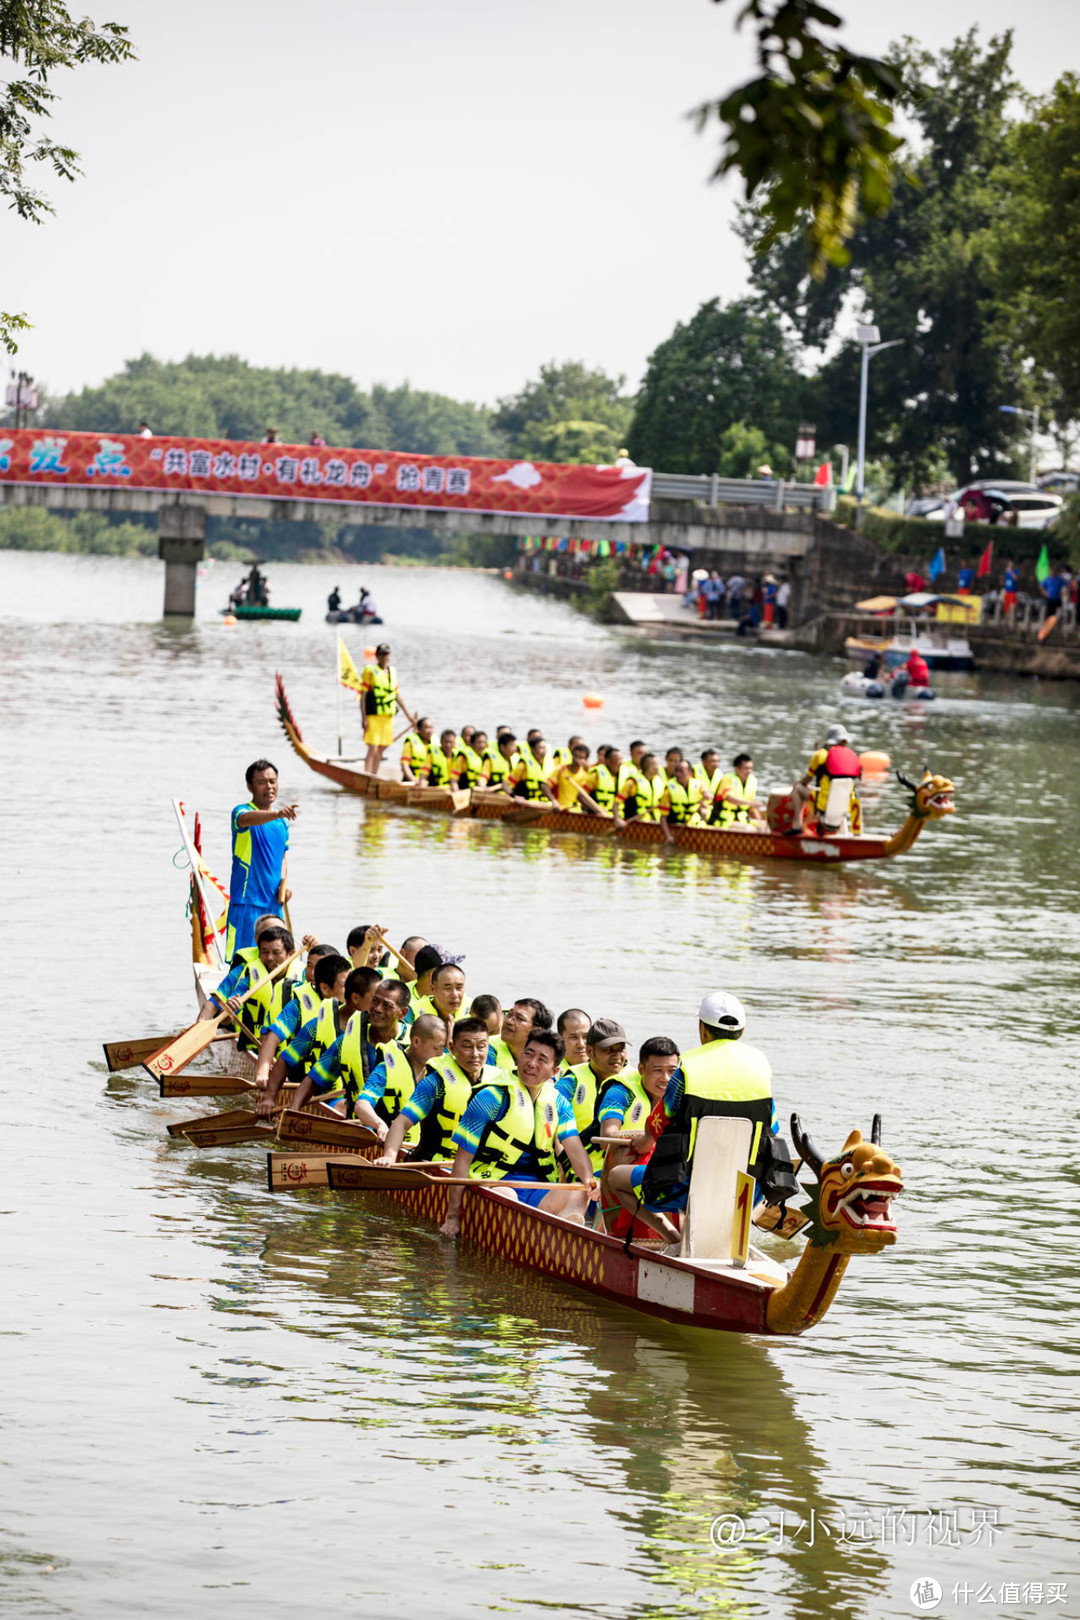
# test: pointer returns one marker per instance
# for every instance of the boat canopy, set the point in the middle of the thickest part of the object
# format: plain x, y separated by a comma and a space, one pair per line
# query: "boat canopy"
877, 604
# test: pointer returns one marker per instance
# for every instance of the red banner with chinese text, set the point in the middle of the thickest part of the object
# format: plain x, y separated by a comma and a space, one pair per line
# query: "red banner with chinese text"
284, 472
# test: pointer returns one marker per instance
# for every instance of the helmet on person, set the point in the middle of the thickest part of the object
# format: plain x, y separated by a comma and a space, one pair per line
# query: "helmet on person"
721, 1010
835, 735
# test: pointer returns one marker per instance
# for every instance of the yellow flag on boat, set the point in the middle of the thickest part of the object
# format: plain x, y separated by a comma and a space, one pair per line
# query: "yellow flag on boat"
349, 674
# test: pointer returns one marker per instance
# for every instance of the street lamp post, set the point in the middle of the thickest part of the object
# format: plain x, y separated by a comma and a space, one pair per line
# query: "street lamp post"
870, 342
1018, 410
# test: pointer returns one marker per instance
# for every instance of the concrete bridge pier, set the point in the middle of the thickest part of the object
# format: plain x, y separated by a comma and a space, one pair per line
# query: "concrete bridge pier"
182, 546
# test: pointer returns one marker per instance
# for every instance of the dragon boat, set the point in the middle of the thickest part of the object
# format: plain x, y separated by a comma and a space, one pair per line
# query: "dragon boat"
931, 799
850, 1213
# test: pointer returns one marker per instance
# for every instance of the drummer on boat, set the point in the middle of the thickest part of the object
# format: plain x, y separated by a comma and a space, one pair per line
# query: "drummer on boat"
259, 882
721, 1076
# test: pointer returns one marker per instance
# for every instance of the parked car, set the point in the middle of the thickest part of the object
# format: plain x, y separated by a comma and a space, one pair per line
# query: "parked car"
1062, 483
1035, 508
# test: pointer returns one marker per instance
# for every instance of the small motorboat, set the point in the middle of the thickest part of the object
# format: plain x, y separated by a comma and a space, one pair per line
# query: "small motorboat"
856, 685
352, 616
244, 612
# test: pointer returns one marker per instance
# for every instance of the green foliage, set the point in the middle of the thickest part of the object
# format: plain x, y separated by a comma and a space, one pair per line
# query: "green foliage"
924, 275
568, 408
1067, 529
482, 550
9, 325
811, 134
724, 366
744, 449
600, 583
921, 538
433, 424
35, 528
41, 36
1033, 245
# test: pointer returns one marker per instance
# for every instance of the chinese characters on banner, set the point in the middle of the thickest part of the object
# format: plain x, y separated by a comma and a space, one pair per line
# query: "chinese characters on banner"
319, 473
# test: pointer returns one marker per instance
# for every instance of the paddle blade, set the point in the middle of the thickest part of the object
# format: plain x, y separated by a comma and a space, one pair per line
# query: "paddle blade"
181, 1051
304, 1127
204, 1085
130, 1054
228, 1135
365, 1177
214, 1122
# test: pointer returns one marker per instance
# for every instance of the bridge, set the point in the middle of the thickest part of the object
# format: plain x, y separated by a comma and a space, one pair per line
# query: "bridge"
708, 515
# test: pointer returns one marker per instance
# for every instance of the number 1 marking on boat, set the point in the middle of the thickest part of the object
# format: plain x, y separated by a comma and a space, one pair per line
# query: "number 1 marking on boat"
744, 1204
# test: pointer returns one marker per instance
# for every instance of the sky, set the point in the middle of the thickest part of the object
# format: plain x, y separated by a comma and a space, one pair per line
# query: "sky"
445, 192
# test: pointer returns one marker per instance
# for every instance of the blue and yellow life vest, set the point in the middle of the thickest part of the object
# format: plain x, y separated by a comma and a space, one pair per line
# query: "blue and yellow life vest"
436, 1140
526, 1126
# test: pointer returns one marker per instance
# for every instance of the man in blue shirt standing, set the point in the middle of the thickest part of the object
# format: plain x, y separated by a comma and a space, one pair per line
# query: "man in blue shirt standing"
260, 840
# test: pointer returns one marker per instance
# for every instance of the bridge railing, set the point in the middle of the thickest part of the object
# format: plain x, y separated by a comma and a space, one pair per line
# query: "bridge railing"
712, 490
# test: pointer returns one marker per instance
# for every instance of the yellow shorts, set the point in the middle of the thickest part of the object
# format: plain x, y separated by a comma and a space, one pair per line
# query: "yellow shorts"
379, 730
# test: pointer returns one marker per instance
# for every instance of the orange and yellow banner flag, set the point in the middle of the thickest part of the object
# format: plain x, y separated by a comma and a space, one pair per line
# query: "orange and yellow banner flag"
349, 674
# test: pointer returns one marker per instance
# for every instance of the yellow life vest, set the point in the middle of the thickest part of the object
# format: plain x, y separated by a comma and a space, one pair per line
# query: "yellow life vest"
557, 757
640, 1105
604, 786
426, 1004
738, 797
529, 786
565, 791
708, 784
417, 752
504, 1058
383, 687
309, 998
648, 797
728, 1078
253, 1011
353, 1060
400, 1085
496, 766
438, 767
526, 1125
683, 801
437, 1131
586, 1105
466, 766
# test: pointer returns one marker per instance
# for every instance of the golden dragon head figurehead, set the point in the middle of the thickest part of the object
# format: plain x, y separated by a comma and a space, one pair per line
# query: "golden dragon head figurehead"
852, 1207
933, 797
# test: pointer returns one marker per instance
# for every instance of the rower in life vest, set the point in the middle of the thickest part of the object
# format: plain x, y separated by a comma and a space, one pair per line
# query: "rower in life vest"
441, 1096
498, 762
736, 795
585, 1086
511, 1130
346, 1065
325, 972
680, 800
530, 775
392, 1082
828, 786
626, 1105
719, 1077
650, 787
416, 753
441, 754
297, 1057
468, 764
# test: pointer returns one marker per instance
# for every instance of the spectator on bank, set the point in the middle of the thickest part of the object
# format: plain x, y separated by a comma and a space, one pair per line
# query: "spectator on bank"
768, 598
271, 436
145, 431
712, 589
765, 473
694, 597
783, 602
736, 585
1009, 588
965, 580
1052, 588
318, 441
914, 582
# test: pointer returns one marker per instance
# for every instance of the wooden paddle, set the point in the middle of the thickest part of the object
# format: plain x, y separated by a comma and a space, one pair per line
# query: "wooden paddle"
210, 1122
204, 1085
132, 1054
397, 1177
231, 1134
190, 1042
297, 1126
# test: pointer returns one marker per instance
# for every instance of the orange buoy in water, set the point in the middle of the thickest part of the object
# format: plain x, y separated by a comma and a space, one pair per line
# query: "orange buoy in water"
508, 573
369, 652
593, 700
230, 619
875, 763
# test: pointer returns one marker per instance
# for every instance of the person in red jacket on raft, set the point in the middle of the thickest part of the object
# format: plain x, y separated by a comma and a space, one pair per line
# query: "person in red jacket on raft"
825, 795
918, 669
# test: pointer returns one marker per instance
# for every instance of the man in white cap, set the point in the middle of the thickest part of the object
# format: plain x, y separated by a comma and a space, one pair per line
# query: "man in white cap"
721, 1076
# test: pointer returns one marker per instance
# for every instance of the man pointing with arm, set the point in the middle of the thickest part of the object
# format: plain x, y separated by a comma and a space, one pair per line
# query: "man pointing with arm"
260, 840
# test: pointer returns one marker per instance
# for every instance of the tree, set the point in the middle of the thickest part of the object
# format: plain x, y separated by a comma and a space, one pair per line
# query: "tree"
41, 36
434, 425
744, 449
568, 408
810, 135
1034, 246
923, 275
725, 366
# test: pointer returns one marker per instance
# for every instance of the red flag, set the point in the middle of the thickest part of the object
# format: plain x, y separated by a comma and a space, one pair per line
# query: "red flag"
823, 476
985, 561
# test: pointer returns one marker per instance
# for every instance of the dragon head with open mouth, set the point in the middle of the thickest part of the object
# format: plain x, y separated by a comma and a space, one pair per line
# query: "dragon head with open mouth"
852, 1212
933, 797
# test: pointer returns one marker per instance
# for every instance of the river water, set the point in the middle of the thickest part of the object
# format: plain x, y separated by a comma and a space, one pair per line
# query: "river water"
215, 1400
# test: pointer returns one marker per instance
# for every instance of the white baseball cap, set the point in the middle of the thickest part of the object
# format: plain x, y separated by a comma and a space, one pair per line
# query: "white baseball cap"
722, 1011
